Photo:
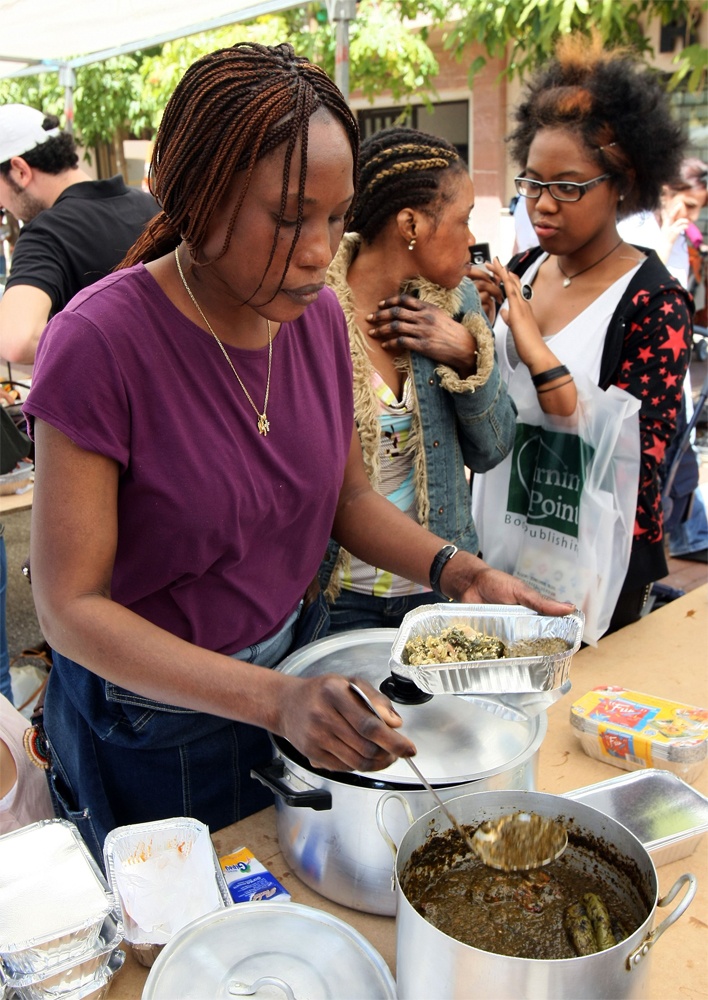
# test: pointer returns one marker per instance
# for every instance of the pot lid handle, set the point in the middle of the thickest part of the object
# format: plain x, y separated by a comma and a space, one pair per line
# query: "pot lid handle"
243, 990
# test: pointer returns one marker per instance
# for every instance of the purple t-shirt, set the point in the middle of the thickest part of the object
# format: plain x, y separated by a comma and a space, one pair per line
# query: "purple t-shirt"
220, 530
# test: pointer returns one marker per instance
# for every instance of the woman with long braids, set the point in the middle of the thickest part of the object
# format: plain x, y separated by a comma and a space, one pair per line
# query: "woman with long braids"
428, 397
595, 141
192, 414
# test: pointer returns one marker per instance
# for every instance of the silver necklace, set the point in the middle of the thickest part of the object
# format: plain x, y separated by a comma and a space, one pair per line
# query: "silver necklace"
569, 277
263, 424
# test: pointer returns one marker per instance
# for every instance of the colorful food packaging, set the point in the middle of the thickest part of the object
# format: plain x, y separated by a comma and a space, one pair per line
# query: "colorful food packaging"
633, 730
248, 880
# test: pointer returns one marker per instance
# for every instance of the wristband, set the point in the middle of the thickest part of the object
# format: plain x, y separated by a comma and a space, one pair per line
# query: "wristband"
548, 376
438, 564
552, 388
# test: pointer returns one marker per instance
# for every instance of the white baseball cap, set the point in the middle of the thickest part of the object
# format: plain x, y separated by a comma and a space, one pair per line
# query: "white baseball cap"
21, 130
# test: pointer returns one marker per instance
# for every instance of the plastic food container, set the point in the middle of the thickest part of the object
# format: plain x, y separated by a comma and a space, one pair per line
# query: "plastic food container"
510, 624
665, 813
53, 898
633, 731
141, 841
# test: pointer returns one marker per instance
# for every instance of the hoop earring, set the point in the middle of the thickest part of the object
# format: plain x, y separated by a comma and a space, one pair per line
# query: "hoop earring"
412, 243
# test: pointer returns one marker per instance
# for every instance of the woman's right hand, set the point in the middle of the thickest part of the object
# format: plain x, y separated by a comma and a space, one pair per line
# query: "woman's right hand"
327, 722
491, 295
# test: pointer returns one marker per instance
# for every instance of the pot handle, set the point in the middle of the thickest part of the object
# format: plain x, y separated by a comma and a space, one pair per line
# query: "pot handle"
653, 936
384, 832
250, 989
272, 776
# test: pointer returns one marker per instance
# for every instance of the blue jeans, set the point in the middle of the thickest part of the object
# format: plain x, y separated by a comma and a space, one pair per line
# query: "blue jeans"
5, 680
118, 758
352, 610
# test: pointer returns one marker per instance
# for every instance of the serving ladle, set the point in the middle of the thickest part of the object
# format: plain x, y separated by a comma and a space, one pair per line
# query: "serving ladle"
516, 842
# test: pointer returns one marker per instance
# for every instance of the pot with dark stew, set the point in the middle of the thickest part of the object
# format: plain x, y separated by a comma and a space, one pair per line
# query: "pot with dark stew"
580, 926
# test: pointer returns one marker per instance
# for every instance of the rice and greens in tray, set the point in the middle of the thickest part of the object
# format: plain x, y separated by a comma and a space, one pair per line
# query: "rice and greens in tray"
462, 644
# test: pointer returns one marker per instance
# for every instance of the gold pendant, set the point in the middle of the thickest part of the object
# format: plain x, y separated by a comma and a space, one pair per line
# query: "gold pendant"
263, 425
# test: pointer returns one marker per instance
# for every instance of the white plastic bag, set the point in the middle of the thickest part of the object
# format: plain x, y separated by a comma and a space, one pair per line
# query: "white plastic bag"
559, 511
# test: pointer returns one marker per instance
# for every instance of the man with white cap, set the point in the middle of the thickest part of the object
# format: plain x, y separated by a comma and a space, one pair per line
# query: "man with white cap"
76, 230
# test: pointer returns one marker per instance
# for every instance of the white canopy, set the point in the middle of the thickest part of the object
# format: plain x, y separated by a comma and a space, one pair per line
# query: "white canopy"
37, 35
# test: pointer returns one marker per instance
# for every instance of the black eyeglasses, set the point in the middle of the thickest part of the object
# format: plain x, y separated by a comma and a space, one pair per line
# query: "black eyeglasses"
560, 190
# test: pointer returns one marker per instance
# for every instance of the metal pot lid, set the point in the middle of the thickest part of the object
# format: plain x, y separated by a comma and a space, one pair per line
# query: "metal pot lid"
459, 738
285, 946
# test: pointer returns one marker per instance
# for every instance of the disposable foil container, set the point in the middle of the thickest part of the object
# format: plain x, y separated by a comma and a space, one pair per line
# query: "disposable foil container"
73, 975
54, 899
663, 811
95, 988
633, 730
126, 842
510, 623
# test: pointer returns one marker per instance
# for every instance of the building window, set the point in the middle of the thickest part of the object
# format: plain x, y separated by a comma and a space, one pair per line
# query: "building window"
449, 120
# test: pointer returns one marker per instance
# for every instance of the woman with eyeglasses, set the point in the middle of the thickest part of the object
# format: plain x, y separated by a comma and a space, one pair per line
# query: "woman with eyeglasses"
595, 142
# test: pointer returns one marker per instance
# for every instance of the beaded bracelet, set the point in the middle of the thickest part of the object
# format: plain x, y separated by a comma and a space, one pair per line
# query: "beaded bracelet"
542, 377
552, 388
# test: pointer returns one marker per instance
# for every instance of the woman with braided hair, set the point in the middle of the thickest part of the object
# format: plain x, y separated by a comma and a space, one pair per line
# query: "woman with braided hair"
594, 141
428, 397
193, 422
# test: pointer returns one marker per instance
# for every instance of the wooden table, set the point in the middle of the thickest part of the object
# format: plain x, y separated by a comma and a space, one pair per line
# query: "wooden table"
16, 501
664, 654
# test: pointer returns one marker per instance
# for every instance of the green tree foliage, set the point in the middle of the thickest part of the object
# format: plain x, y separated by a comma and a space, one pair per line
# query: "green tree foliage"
389, 52
528, 30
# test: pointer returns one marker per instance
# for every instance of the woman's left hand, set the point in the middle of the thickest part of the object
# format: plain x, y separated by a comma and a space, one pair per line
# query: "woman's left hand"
404, 323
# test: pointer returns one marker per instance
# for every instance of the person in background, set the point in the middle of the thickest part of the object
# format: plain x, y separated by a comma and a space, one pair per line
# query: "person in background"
671, 230
75, 230
585, 300
428, 397
196, 448
24, 792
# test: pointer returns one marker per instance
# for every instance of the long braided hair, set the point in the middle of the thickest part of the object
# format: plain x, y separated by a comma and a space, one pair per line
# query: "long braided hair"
401, 168
230, 109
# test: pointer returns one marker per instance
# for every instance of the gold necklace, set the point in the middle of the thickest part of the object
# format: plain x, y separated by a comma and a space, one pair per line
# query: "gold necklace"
263, 424
569, 277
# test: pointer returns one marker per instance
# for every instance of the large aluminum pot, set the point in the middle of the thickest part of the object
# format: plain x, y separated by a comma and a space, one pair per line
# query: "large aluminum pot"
434, 966
326, 820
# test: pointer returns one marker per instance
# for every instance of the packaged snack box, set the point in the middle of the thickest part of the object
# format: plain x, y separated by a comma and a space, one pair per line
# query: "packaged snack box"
633, 730
248, 880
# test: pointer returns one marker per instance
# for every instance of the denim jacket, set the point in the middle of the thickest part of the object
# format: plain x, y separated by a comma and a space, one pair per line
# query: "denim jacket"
459, 422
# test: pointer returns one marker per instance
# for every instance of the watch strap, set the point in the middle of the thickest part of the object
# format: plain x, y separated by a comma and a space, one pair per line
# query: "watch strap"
441, 559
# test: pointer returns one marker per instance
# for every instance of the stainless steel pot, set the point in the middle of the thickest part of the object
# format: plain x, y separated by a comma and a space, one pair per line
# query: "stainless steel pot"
326, 821
434, 966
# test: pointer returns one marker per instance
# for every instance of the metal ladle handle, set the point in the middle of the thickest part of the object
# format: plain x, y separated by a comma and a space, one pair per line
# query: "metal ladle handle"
418, 773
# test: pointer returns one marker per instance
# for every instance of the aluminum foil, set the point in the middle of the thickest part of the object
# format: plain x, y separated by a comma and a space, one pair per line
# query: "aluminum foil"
73, 975
663, 811
510, 623
95, 988
43, 929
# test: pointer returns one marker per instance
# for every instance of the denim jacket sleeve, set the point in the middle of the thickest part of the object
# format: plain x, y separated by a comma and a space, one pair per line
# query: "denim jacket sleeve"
485, 414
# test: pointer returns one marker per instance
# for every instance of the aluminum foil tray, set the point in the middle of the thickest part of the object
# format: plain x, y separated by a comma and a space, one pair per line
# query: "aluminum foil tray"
73, 975
510, 623
95, 988
662, 810
124, 841
54, 899
633, 730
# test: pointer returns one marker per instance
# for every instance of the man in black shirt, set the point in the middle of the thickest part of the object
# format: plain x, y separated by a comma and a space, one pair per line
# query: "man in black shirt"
75, 229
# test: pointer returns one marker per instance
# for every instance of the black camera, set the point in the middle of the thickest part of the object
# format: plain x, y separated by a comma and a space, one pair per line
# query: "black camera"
479, 254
